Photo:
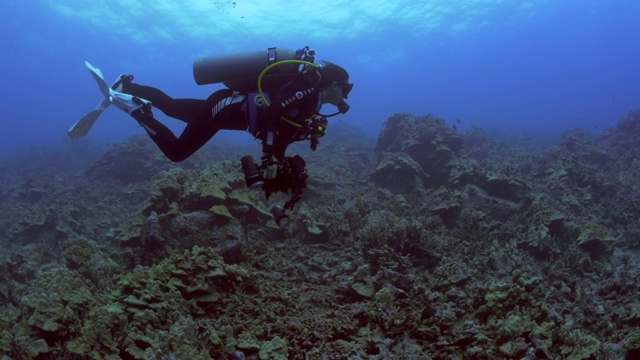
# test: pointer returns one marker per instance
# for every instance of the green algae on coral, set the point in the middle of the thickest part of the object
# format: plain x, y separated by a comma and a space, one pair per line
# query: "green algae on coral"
436, 264
275, 349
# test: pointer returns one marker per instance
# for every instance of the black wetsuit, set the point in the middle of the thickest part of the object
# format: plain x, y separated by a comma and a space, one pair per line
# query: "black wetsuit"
297, 99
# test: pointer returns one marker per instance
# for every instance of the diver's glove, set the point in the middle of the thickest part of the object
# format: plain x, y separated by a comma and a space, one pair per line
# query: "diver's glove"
270, 164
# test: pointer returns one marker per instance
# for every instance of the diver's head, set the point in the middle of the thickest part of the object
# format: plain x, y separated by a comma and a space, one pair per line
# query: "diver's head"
335, 85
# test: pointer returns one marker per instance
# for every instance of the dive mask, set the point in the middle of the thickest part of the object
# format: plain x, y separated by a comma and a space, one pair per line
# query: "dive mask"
346, 89
343, 107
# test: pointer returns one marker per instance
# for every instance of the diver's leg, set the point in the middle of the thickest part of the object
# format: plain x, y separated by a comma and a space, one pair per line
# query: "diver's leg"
174, 148
209, 119
181, 109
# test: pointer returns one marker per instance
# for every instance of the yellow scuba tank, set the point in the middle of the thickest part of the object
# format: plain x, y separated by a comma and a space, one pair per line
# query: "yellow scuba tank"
235, 68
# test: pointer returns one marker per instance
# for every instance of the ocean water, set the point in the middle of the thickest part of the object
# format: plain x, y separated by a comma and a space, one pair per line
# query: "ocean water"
449, 245
533, 66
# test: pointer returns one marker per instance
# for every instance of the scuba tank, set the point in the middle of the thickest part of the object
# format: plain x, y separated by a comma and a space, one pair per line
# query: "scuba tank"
236, 67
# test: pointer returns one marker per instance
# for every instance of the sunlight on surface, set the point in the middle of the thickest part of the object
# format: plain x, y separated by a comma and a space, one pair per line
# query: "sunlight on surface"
316, 20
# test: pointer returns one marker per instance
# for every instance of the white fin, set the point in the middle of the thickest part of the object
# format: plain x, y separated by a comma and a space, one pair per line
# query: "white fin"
83, 126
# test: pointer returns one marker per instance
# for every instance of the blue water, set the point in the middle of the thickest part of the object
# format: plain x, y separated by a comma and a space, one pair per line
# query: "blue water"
540, 66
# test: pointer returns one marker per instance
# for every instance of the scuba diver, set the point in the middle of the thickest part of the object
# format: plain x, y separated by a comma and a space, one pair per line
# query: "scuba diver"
276, 95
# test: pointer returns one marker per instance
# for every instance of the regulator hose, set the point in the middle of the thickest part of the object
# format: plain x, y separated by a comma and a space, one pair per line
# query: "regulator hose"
282, 62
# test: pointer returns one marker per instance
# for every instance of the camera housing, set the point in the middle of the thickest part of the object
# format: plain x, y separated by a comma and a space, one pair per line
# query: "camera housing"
252, 175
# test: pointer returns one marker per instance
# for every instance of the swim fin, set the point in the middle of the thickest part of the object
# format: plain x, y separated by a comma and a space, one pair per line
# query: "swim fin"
83, 126
123, 101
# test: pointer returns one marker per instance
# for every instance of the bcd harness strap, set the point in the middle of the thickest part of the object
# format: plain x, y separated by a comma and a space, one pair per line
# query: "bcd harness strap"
304, 57
314, 127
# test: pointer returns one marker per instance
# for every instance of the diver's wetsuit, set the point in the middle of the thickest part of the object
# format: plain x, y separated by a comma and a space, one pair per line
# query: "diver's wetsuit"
297, 99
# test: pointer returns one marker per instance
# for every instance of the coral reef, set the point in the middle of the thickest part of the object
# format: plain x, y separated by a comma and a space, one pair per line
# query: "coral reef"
415, 153
428, 243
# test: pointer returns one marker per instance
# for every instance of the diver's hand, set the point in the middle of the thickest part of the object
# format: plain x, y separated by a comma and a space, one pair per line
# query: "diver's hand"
271, 170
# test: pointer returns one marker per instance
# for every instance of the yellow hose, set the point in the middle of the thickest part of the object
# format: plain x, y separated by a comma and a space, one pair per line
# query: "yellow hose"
282, 62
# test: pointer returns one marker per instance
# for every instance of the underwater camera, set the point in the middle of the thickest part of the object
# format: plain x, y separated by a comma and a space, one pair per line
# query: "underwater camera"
252, 175
291, 179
